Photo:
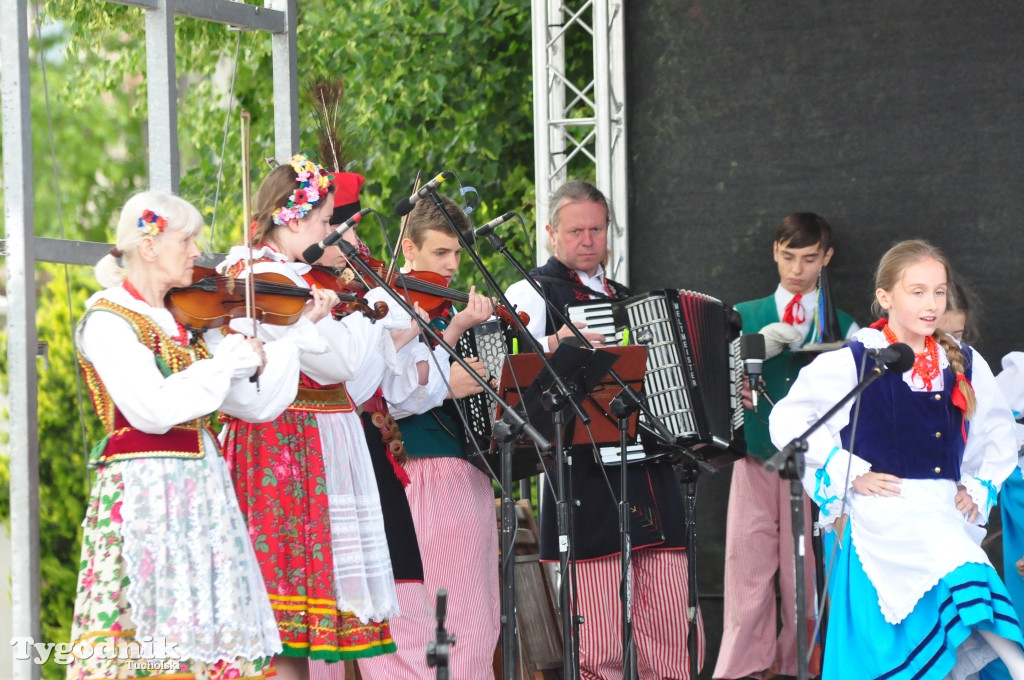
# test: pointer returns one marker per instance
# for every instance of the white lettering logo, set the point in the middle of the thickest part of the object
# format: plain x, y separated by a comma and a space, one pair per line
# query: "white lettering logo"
144, 652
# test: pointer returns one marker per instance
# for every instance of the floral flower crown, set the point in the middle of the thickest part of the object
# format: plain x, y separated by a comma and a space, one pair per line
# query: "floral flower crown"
314, 183
151, 223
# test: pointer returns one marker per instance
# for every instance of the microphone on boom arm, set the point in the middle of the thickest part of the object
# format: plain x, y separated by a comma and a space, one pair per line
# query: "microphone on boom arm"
316, 251
405, 206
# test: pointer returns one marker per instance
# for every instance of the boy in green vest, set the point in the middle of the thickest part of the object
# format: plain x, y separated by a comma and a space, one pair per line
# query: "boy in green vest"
759, 538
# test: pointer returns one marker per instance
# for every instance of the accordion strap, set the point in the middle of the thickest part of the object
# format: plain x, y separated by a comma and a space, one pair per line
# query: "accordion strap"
540, 278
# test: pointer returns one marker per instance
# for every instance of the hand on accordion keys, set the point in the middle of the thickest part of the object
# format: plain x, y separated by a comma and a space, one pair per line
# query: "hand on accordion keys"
461, 384
595, 339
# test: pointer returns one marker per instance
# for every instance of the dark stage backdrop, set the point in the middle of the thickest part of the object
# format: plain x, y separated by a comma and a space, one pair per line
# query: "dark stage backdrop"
893, 120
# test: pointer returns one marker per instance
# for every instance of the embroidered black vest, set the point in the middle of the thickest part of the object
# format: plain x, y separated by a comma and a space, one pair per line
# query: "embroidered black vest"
563, 295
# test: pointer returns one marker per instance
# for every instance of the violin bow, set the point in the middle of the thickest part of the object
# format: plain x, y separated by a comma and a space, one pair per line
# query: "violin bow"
250, 297
401, 232
250, 286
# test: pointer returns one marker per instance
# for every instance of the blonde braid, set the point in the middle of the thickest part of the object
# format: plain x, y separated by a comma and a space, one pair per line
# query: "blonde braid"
956, 363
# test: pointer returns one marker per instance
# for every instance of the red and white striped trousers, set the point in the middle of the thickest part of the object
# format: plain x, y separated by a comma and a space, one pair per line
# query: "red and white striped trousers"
452, 505
759, 543
411, 631
660, 623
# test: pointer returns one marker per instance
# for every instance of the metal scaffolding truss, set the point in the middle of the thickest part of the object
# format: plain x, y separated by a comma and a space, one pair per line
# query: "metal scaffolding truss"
579, 113
22, 249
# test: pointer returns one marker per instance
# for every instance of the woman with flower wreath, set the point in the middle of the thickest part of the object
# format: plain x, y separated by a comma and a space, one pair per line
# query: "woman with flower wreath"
166, 569
911, 473
305, 481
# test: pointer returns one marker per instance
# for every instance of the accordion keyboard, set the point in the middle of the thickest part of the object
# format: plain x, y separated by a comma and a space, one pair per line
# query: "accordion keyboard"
694, 373
599, 317
487, 341
667, 393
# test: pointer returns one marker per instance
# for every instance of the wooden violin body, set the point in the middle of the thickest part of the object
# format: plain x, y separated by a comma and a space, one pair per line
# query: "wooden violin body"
212, 301
430, 291
331, 279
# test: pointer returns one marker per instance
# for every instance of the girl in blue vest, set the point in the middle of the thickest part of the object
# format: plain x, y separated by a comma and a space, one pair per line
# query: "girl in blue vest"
904, 478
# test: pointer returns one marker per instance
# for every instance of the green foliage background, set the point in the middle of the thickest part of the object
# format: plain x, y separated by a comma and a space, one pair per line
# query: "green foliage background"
429, 87
64, 437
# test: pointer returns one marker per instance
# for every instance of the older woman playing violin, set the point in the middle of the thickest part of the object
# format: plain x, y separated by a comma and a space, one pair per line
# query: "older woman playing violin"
305, 480
165, 554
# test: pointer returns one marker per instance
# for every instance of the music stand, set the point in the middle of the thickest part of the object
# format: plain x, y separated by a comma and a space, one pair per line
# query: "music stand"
523, 370
581, 371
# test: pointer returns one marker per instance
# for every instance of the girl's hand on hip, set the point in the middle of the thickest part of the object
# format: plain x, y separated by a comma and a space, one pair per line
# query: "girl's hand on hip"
877, 484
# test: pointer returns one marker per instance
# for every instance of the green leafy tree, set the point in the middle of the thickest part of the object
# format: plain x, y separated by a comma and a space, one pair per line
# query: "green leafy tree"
429, 87
65, 434
412, 102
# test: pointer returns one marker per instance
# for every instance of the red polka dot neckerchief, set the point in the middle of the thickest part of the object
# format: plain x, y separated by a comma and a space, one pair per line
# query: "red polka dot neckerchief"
182, 337
926, 364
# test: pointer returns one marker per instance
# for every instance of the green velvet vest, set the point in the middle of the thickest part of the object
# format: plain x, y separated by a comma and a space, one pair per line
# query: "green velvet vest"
779, 372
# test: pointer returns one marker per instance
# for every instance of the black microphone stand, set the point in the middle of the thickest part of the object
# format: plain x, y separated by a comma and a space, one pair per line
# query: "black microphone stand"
504, 436
439, 649
762, 391
622, 407
517, 422
789, 463
511, 425
555, 399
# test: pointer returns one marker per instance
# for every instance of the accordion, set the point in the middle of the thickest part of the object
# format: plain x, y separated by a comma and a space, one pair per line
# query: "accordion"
491, 342
694, 372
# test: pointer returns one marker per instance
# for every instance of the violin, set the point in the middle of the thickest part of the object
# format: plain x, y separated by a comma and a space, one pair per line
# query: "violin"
427, 288
434, 296
431, 291
213, 301
351, 296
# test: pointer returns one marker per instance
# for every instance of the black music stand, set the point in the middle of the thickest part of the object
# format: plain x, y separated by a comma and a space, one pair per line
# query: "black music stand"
581, 371
613, 410
596, 398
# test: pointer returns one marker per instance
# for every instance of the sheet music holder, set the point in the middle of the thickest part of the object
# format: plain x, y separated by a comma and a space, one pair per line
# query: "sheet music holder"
585, 371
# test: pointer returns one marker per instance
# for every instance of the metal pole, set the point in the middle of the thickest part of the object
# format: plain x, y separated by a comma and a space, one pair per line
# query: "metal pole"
21, 329
286, 78
164, 165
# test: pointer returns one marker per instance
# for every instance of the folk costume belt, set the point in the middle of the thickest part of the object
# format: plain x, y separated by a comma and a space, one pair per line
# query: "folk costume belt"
323, 400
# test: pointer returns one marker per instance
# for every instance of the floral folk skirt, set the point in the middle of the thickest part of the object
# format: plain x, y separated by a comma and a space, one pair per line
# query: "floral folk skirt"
280, 478
168, 584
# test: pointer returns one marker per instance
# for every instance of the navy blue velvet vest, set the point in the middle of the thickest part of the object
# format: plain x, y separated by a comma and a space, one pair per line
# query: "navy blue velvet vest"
913, 435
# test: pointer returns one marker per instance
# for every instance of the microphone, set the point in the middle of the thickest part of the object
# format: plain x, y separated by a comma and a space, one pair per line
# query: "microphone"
404, 207
487, 229
752, 352
897, 357
316, 251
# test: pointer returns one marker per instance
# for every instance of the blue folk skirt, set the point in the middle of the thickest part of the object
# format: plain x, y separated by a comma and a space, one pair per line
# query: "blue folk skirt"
862, 644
